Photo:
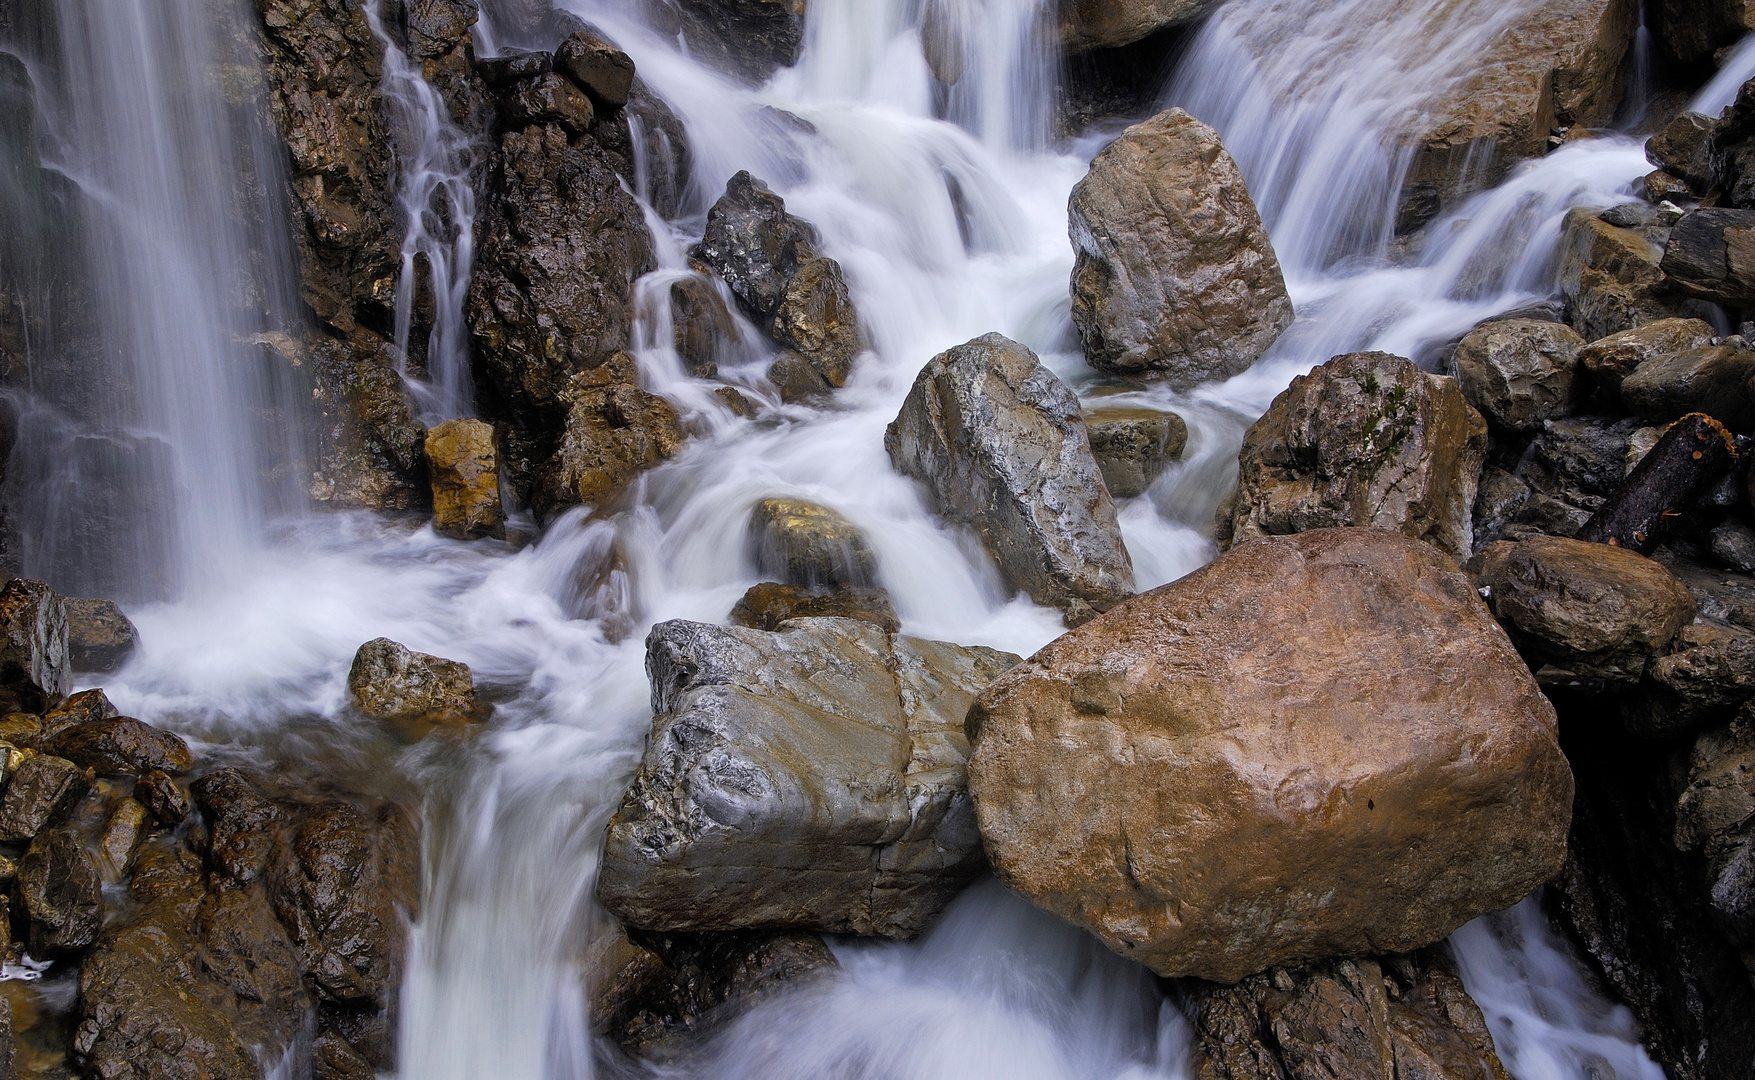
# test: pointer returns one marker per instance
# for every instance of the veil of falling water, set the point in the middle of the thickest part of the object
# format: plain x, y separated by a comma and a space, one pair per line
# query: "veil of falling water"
945, 202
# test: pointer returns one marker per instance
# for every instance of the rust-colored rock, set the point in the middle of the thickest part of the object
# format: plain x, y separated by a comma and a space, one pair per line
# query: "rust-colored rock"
614, 431
121, 746
1318, 745
465, 468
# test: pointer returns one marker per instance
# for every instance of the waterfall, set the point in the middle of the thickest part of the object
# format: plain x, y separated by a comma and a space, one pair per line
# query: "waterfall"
916, 137
437, 196
151, 462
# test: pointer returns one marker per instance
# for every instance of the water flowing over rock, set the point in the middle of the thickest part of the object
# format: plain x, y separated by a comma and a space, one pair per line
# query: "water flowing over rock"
749, 38
1593, 609
701, 324
1366, 439
1174, 274
1133, 445
1394, 1018
766, 606
466, 479
1001, 446
809, 778
388, 681
803, 543
1105, 24
1318, 745
769, 259
1518, 372
1684, 149
614, 431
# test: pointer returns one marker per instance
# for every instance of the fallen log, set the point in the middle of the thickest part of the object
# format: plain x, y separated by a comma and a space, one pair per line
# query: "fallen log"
1693, 455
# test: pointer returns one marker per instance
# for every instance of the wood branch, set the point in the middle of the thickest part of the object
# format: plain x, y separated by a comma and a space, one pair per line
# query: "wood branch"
1694, 454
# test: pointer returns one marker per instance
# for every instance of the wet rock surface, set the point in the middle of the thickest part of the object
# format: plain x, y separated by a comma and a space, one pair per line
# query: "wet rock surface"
767, 605
35, 671
1366, 439
1713, 380
1608, 361
465, 469
1105, 24
1277, 757
388, 681
1133, 446
121, 746
748, 38
1389, 1018
1174, 275
811, 778
806, 544
1000, 445
1611, 278
614, 431
99, 637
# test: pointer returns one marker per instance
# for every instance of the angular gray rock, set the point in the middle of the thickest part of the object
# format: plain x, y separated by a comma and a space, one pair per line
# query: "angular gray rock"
1174, 274
1367, 439
34, 644
810, 778
1711, 255
1518, 372
1000, 444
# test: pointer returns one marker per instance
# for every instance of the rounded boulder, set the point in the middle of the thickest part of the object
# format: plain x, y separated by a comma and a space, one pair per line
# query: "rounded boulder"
1318, 745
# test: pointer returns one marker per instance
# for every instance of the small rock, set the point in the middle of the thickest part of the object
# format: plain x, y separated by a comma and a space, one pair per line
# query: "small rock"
1518, 372
1367, 439
1733, 543
1316, 745
1163, 225
1000, 444
40, 792
816, 319
1630, 215
1610, 360
62, 894
766, 606
85, 707
122, 835
390, 682
796, 379
99, 637
242, 825
1713, 380
1683, 149
1707, 673
549, 99
512, 67
1594, 609
22, 730
1660, 186
1133, 445
465, 471
802, 543
811, 778
34, 661
162, 797
736, 402
601, 69
121, 746
701, 325
615, 430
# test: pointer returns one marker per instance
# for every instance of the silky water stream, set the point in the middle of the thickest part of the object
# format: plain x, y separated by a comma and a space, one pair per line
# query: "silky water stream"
948, 213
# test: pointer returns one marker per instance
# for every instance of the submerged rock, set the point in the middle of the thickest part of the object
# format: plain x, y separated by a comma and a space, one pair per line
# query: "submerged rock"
1367, 439
1318, 745
465, 467
99, 637
388, 681
811, 778
1133, 445
805, 544
1174, 275
766, 606
1000, 445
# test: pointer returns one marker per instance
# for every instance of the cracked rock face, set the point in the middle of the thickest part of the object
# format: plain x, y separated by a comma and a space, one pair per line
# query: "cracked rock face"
1318, 745
811, 778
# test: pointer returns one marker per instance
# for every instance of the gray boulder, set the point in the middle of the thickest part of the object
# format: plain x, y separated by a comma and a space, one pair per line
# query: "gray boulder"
811, 778
1713, 380
1711, 255
1518, 372
1174, 274
34, 644
1001, 446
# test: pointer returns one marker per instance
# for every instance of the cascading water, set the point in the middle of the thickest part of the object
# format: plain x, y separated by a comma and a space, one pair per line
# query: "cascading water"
435, 189
180, 252
923, 160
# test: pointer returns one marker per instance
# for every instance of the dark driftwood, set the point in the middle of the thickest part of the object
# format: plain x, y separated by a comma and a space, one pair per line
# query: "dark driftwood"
1694, 454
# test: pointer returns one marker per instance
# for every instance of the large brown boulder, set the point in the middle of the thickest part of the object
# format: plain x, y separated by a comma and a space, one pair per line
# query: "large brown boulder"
1712, 380
1593, 609
1174, 274
99, 636
1105, 24
1318, 745
1609, 360
121, 746
1367, 439
1000, 445
391, 682
809, 778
